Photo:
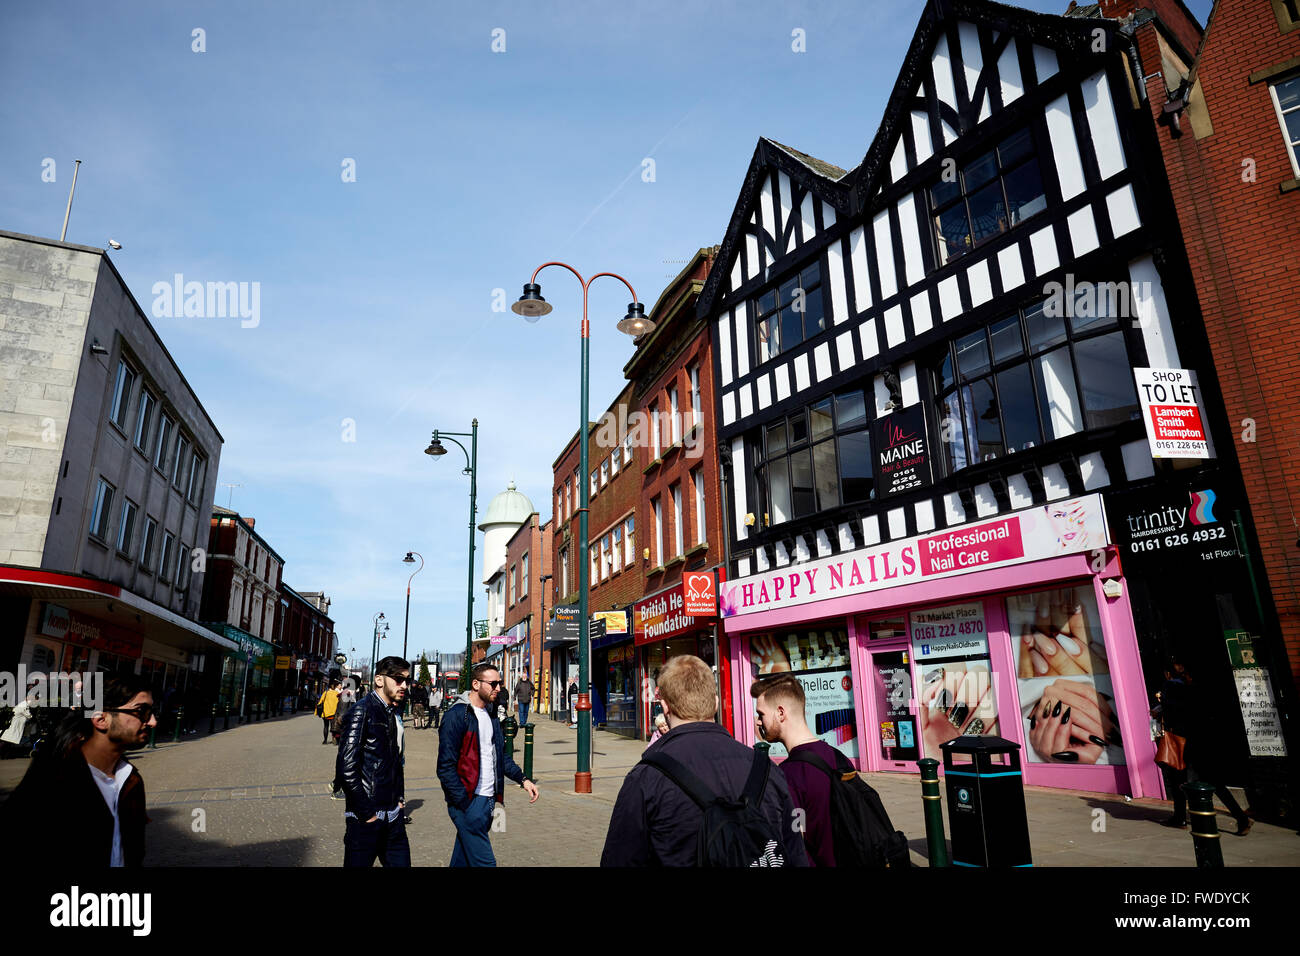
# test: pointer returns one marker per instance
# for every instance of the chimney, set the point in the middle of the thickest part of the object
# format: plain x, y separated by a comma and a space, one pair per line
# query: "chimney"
1177, 19
249, 521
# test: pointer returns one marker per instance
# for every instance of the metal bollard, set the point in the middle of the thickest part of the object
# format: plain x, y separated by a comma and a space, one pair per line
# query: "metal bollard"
152, 743
762, 747
226, 710
933, 808
212, 720
1205, 825
528, 751
511, 728
180, 719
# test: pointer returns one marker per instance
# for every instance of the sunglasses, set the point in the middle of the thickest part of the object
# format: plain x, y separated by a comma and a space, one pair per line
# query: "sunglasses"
397, 680
490, 683
141, 713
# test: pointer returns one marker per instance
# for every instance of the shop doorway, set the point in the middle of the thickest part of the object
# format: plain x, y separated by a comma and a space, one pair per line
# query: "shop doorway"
893, 738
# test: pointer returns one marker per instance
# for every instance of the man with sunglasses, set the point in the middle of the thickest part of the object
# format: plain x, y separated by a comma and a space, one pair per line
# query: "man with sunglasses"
473, 765
83, 787
369, 772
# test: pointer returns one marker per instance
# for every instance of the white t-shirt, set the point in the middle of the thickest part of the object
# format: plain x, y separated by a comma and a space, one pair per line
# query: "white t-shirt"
111, 787
487, 755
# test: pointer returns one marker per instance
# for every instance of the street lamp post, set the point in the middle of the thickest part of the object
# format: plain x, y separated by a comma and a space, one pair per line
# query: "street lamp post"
374, 646
406, 627
437, 449
635, 323
541, 645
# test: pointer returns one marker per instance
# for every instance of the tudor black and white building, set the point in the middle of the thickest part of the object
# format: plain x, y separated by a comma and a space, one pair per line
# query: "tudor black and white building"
927, 396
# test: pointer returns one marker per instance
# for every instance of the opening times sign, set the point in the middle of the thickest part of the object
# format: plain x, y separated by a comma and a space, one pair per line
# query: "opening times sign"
1172, 410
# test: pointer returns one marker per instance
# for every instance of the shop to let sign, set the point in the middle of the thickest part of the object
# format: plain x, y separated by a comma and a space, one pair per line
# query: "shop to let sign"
1172, 410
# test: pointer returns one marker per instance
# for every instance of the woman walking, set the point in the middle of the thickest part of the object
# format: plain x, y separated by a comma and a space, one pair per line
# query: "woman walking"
325, 707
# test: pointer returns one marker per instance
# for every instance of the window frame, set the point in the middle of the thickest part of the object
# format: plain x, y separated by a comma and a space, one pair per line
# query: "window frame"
1292, 148
629, 539
161, 455
761, 327
655, 454
656, 505
101, 510
697, 480
679, 537
123, 386
697, 413
146, 543
144, 421
674, 420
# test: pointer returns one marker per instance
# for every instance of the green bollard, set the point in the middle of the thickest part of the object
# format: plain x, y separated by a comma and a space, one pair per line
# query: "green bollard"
152, 743
511, 728
225, 708
933, 811
528, 751
180, 718
212, 720
762, 747
1205, 825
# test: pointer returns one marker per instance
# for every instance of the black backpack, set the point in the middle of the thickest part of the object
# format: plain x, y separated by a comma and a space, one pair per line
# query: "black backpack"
733, 832
860, 827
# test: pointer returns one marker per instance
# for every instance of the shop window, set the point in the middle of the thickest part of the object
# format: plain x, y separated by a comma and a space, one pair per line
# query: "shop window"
955, 697
990, 194
820, 658
1063, 678
816, 459
1032, 377
789, 313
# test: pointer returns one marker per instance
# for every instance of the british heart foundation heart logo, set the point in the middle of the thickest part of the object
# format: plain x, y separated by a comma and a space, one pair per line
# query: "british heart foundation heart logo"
699, 594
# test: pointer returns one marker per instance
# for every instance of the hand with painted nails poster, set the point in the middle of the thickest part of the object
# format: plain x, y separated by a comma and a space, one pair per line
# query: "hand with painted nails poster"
1066, 700
950, 647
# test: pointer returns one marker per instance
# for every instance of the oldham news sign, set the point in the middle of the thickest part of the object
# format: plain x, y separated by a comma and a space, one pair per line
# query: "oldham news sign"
1173, 412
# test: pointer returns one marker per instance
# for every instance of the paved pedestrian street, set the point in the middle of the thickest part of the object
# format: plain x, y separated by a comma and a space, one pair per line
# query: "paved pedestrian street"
258, 795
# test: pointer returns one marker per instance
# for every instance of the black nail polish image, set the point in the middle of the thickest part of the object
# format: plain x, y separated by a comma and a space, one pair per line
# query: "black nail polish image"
1065, 717
1033, 722
1056, 711
1066, 756
1047, 709
959, 714
1115, 738
1097, 740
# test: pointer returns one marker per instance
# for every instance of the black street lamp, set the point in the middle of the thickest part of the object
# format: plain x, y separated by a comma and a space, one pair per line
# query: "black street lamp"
437, 450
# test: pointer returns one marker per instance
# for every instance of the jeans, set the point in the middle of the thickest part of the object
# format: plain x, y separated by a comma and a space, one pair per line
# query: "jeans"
325, 737
384, 840
473, 848
523, 712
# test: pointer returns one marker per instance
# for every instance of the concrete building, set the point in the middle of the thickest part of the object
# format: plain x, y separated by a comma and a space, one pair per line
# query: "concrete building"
108, 465
527, 562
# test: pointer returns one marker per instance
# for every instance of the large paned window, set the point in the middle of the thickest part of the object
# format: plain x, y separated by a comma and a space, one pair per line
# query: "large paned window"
164, 444
629, 540
817, 458
165, 562
618, 547
99, 514
182, 567
1286, 100
674, 419
126, 527
989, 194
144, 420
196, 477
146, 543
678, 544
1030, 378
659, 531
523, 576
789, 313
654, 431
697, 479
122, 393
178, 466
696, 414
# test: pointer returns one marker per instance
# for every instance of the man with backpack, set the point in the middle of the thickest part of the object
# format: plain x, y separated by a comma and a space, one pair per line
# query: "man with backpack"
843, 821
698, 797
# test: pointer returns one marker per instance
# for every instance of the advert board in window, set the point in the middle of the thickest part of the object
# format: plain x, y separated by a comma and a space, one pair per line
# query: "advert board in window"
820, 659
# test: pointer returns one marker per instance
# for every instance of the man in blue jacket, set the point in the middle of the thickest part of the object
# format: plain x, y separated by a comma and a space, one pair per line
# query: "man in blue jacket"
473, 765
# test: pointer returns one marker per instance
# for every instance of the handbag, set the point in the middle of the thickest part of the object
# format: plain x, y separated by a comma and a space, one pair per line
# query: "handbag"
1169, 751
320, 708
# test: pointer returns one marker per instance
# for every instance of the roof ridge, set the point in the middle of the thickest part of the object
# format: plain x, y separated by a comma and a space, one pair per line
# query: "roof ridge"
819, 166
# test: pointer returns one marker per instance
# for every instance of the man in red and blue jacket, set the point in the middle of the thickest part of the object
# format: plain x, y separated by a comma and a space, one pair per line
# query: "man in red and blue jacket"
473, 765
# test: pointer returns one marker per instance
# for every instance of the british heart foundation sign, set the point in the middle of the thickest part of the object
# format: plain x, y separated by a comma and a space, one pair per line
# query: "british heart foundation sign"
701, 597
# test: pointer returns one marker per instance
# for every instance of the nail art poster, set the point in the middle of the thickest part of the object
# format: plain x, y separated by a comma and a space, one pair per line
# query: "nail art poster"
1067, 703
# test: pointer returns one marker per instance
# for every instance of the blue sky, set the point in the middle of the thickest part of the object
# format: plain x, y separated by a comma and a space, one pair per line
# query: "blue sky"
472, 168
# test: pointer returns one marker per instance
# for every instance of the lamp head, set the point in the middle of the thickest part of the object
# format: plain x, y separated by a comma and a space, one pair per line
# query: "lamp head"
635, 322
435, 447
408, 559
531, 305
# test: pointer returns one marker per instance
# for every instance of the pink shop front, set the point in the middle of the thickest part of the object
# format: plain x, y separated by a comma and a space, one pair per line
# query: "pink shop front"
1018, 626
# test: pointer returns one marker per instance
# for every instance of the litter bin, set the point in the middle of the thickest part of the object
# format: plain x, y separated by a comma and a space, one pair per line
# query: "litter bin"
986, 802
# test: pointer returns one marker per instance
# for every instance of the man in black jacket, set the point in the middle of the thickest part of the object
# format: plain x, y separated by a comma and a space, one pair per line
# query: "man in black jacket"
654, 822
80, 802
369, 772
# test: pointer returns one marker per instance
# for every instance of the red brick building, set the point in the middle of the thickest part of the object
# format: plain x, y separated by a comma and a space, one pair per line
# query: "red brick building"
1229, 121
616, 575
528, 559
679, 511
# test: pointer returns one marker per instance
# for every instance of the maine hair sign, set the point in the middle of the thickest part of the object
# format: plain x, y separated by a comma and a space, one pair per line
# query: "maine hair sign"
1064, 527
902, 451
1172, 410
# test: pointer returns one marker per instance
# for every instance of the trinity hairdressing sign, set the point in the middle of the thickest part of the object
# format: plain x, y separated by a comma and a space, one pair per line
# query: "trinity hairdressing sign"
1065, 527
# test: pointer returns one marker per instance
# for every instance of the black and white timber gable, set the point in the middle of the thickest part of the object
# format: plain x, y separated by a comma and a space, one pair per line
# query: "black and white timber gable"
899, 277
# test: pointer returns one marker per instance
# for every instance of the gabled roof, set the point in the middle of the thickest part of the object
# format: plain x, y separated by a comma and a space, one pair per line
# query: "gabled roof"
1061, 33
820, 178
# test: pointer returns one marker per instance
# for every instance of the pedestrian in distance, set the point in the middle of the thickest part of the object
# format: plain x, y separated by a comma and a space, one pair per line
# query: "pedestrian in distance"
523, 697
573, 702
325, 707
712, 801
81, 802
435, 707
840, 816
473, 765
661, 728
1209, 741
419, 705
369, 771
1171, 714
